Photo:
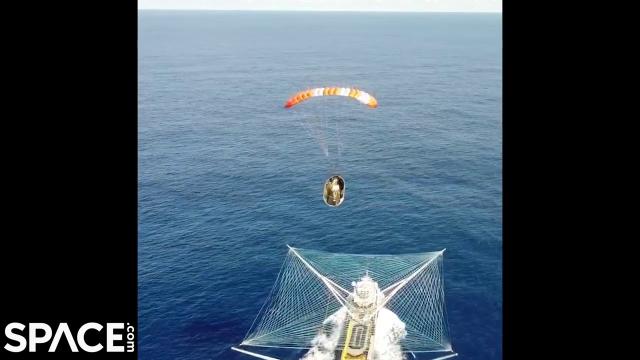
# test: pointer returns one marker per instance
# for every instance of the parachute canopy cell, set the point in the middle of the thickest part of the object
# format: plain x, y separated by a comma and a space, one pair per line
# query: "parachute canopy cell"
354, 93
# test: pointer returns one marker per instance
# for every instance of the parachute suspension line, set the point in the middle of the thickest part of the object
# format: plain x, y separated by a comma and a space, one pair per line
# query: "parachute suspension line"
338, 160
339, 142
320, 133
322, 129
313, 127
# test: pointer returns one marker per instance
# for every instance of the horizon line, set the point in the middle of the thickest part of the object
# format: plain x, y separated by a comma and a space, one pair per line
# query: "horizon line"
329, 10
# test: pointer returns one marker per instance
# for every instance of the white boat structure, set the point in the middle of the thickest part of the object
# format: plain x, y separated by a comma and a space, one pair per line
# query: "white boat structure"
354, 307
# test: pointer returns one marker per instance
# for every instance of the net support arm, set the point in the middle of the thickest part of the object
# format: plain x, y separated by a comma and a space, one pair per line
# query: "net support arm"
327, 282
253, 354
446, 356
400, 284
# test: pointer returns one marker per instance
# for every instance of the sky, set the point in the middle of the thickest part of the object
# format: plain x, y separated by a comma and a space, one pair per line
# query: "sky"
328, 5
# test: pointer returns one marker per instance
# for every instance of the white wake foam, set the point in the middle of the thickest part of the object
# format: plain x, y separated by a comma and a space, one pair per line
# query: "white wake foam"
389, 331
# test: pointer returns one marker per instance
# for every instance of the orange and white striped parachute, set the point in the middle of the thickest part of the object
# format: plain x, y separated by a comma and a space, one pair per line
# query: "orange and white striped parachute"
357, 94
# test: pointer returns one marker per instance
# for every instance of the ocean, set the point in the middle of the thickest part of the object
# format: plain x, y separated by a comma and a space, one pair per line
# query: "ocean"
228, 177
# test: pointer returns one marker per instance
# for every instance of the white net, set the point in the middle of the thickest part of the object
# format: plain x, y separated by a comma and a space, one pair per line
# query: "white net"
312, 285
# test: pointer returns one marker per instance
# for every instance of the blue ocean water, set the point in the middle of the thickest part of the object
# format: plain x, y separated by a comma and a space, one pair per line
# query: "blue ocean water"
227, 177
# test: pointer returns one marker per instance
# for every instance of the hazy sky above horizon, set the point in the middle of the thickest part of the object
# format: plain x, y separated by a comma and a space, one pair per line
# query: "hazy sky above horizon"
347, 5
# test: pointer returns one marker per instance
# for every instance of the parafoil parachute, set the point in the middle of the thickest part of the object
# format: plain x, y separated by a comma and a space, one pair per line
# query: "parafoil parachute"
354, 93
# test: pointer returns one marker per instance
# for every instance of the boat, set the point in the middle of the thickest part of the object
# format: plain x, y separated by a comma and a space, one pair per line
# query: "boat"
354, 307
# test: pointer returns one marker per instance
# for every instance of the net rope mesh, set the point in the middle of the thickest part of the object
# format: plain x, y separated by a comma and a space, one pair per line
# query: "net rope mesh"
312, 285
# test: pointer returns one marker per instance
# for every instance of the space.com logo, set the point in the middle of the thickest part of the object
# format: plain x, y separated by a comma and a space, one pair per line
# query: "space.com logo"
119, 337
